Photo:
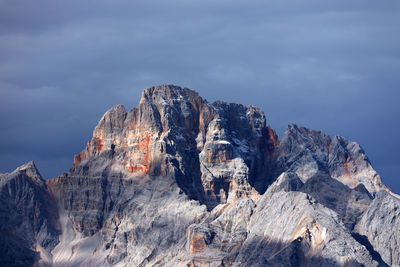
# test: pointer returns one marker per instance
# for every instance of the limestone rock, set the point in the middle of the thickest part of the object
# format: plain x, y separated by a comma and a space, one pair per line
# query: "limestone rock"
28, 218
178, 181
293, 224
380, 228
217, 152
306, 152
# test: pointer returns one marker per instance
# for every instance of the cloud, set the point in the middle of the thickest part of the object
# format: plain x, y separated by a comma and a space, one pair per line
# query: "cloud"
328, 65
230, 74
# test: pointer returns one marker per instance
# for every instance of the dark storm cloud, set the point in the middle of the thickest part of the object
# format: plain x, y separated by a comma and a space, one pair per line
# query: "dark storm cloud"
326, 65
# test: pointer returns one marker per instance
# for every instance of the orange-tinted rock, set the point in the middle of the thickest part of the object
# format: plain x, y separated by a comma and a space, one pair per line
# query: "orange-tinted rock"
272, 140
99, 145
197, 244
218, 156
177, 171
143, 153
216, 152
198, 238
80, 157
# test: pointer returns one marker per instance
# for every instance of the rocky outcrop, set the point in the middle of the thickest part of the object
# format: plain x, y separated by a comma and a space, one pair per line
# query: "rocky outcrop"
178, 181
305, 152
379, 228
301, 228
28, 218
217, 152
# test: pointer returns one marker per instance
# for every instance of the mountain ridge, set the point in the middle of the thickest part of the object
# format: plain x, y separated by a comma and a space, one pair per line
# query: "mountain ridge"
180, 181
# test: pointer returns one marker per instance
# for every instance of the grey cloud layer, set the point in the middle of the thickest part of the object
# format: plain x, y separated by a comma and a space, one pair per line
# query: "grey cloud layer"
326, 65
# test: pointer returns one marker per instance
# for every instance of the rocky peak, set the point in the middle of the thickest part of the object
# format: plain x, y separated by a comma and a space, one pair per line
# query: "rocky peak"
27, 171
113, 120
169, 94
217, 152
299, 138
307, 152
180, 181
28, 217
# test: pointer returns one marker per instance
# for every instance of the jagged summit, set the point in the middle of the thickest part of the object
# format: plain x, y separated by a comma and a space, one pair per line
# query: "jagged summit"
27, 171
180, 181
28, 217
30, 170
306, 152
173, 131
159, 93
29, 165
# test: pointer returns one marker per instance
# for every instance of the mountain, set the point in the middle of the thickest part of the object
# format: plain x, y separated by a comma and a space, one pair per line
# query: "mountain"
28, 217
178, 181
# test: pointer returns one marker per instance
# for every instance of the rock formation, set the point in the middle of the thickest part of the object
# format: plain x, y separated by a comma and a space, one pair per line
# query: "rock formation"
178, 181
29, 219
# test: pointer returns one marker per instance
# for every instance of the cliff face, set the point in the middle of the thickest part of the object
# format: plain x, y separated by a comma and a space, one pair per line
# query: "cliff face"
180, 181
306, 152
216, 152
28, 218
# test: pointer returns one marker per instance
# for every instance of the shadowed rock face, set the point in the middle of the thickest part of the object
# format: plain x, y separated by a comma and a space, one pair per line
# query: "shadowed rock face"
216, 152
28, 217
380, 224
178, 181
306, 152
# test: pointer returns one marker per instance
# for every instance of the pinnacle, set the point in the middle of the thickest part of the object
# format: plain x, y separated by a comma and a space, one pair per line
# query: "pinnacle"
160, 93
29, 165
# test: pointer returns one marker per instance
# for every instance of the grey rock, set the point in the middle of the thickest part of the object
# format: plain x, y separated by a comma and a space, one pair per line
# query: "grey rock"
380, 227
306, 152
178, 181
295, 224
28, 218
350, 204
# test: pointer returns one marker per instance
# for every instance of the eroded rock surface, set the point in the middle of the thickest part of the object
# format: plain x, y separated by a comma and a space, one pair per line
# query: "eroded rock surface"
380, 227
178, 181
306, 152
29, 225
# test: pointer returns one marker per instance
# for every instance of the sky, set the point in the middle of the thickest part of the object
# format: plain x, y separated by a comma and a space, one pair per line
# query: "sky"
333, 66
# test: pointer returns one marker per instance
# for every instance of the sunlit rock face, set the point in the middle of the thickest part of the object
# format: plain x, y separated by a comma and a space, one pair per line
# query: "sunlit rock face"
216, 152
178, 181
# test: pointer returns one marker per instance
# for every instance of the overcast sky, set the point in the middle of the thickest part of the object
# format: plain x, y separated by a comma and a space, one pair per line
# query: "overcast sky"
327, 65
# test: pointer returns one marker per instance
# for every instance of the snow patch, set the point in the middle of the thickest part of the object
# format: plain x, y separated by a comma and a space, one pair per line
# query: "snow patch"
222, 142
